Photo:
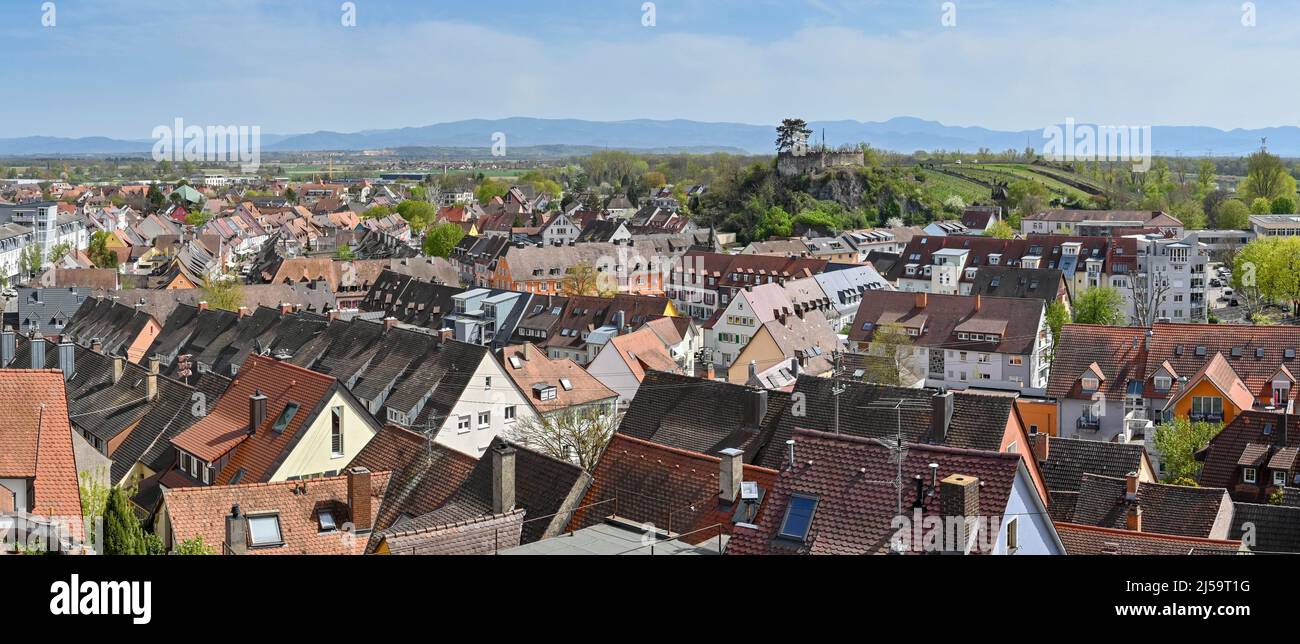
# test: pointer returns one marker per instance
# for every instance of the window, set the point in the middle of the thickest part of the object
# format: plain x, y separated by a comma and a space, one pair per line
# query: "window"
798, 517
1207, 406
326, 518
1016, 361
484, 419
285, 418
510, 414
564, 382
1163, 383
1091, 384
487, 384
207, 475
185, 462
264, 531
1279, 478
1013, 538
336, 432
462, 424
1248, 475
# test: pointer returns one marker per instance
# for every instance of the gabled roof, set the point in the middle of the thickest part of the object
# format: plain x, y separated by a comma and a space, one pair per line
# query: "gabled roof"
942, 317
1166, 509
36, 441
1220, 374
529, 366
202, 511
1222, 457
703, 416
643, 352
425, 473
1092, 540
854, 513
1068, 459
1275, 529
675, 490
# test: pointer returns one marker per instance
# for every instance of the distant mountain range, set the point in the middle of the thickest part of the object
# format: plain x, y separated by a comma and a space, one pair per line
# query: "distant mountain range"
903, 134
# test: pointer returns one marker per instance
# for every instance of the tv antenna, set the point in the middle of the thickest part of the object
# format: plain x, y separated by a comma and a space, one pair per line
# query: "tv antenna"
899, 448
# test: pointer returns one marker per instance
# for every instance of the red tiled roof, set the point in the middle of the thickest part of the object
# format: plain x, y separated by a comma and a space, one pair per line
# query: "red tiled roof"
1221, 375
36, 441
536, 368
226, 425
1093, 540
674, 489
202, 511
1014, 320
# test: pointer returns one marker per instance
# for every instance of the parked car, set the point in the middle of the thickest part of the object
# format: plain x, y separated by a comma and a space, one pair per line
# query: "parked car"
1233, 303
1215, 283
8, 293
1227, 291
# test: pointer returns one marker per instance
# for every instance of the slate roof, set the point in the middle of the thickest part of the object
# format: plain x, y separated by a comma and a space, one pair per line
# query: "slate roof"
1068, 459
1274, 528
675, 490
1092, 540
1118, 255
478, 536
978, 421
410, 300
854, 511
115, 324
1166, 509
669, 409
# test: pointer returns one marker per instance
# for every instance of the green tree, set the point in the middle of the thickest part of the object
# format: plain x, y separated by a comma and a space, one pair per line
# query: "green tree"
1179, 441
489, 189
1268, 270
99, 252
1283, 206
584, 279
790, 133
1267, 178
198, 218
1234, 215
30, 259
1099, 305
1000, 230
224, 293
442, 238
344, 252
122, 532
775, 222
1205, 179
886, 360
1057, 317
194, 546
59, 251
376, 212
1261, 206
419, 214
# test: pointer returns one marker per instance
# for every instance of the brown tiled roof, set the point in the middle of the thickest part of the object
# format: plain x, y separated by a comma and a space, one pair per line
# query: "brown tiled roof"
1251, 437
1068, 459
536, 368
425, 473
854, 511
643, 351
676, 490
1092, 540
1154, 217
1014, 320
202, 511
478, 536
36, 441
1221, 375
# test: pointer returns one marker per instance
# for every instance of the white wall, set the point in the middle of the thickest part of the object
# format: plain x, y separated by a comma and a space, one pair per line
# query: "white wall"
313, 454
477, 398
610, 369
19, 488
1035, 533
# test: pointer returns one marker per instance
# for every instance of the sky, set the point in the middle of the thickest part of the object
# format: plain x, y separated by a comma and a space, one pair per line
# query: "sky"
119, 68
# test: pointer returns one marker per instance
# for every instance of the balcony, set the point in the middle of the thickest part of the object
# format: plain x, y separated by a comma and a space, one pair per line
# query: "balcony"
1088, 423
1207, 417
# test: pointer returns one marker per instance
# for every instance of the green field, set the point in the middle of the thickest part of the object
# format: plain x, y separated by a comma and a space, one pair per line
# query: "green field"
940, 186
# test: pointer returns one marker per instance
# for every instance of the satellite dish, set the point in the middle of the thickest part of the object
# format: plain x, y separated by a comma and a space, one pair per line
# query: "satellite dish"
749, 491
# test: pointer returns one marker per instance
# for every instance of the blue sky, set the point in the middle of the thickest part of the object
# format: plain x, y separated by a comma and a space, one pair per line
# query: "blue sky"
120, 67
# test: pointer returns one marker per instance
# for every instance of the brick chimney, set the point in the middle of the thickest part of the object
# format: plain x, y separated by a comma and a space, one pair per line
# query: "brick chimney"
1135, 518
447, 335
503, 479
1131, 487
359, 499
979, 302
922, 299
286, 308
96, 345
119, 368
941, 406
151, 380
236, 532
730, 473
959, 496
243, 312
203, 306
1041, 446
256, 411
390, 323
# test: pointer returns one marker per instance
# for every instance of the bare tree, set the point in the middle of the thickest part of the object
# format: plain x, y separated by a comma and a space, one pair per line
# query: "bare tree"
1147, 292
577, 434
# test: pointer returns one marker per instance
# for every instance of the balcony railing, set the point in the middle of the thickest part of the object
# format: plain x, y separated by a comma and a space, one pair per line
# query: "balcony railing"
1207, 417
1089, 423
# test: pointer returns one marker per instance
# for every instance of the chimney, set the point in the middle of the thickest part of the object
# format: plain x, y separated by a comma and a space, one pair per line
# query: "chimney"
67, 359
979, 302
389, 323
959, 497
1131, 487
236, 532
503, 479
332, 315
359, 499
286, 308
1041, 446
922, 299
941, 405
755, 407
243, 311
151, 381
731, 472
8, 347
446, 335
1135, 518
96, 345
256, 411
203, 306
1150, 334
753, 380
38, 351
119, 368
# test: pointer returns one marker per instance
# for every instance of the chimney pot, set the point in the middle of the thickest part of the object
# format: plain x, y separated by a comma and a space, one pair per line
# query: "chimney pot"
359, 498
731, 473
1131, 486
203, 306
503, 479
390, 322
1041, 445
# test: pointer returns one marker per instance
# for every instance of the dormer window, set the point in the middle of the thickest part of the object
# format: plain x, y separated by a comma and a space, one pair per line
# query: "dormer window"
1163, 383
1090, 384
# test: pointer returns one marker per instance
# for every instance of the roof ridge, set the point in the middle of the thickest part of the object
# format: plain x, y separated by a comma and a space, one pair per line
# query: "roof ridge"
1156, 535
687, 453
232, 487
922, 446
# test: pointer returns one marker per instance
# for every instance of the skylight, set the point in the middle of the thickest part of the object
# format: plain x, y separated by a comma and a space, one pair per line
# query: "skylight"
285, 418
264, 530
798, 517
514, 362
326, 521
567, 384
